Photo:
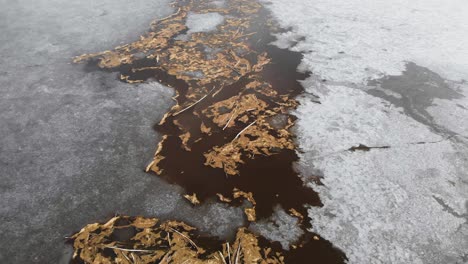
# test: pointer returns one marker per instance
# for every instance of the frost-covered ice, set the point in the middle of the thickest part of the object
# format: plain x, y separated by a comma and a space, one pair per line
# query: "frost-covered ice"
458, 112
407, 203
378, 36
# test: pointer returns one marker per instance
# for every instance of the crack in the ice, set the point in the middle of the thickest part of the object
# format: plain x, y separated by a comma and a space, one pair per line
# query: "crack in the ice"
464, 257
452, 211
362, 147
449, 209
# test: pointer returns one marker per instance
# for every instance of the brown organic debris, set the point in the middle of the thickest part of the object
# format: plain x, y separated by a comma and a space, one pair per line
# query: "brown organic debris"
222, 198
251, 214
205, 129
246, 195
157, 158
192, 198
142, 240
185, 139
257, 138
220, 59
295, 213
250, 211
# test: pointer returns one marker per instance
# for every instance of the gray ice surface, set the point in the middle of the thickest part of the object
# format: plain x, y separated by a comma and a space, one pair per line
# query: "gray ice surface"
73, 144
280, 227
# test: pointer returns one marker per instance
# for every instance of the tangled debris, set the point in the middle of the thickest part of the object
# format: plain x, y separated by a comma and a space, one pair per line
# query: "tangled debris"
233, 60
130, 240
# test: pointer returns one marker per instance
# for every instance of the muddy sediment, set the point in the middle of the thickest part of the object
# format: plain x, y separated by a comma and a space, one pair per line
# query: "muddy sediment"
228, 136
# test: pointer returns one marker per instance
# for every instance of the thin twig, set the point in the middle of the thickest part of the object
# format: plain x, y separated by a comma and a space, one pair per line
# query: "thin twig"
247, 127
230, 119
169, 239
164, 258
229, 253
222, 257
127, 258
190, 106
189, 240
234, 69
237, 31
164, 18
217, 92
245, 35
131, 250
237, 254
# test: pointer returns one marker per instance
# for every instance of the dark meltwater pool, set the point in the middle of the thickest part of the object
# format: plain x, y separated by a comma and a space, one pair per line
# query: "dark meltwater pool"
228, 137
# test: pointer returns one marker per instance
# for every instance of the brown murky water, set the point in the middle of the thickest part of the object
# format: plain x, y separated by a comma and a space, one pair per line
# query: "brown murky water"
228, 136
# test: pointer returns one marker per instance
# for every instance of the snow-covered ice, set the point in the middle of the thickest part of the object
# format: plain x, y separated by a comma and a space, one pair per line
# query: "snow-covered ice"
203, 22
378, 36
386, 73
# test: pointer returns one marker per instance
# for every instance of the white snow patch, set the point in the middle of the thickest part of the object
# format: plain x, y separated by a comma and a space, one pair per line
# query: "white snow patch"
348, 117
452, 114
376, 37
380, 206
203, 22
